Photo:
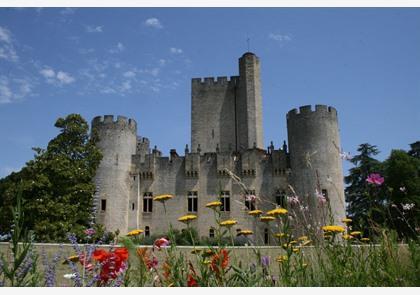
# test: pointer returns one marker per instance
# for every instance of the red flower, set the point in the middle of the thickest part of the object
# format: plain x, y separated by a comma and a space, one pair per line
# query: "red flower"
112, 263
191, 281
159, 243
219, 260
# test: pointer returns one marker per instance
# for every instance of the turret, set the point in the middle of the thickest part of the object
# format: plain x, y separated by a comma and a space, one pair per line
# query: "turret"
314, 147
117, 142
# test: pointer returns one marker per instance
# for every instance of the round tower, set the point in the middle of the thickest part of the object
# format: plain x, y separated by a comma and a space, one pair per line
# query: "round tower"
314, 147
117, 142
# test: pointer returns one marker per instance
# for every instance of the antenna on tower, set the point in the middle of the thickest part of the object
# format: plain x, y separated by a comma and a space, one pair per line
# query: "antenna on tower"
248, 41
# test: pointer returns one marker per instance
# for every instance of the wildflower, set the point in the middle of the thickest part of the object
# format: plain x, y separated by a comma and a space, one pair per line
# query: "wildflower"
293, 200
265, 261
321, 198
159, 243
250, 198
277, 212
73, 258
208, 253
245, 232
280, 235
306, 243
333, 228
219, 261
293, 242
365, 239
69, 276
346, 220
191, 281
356, 233
90, 232
196, 251
163, 198
375, 178
407, 207
295, 250
403, 189
112, 263
267, 218
255, 212
214, 204
135, 232
303, 238
187, 218
206, 262
228, 223
347, 237
282, 258
150, 263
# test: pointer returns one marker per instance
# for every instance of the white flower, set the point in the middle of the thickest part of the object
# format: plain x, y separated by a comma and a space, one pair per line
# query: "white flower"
345, 156
403, 189
407, 207
69, 276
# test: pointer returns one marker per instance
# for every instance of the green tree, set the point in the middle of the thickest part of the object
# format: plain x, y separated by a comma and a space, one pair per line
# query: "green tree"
415, 150
57, 184
361, 198
402, 175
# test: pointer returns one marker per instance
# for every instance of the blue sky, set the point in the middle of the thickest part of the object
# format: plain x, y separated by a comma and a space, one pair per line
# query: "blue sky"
139, 62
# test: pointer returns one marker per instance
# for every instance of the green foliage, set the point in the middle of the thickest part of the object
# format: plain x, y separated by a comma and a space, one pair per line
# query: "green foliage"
57, 184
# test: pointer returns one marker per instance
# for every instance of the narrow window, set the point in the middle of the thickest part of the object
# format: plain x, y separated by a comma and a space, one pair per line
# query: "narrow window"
325, 194
281, 198
250, 199
225, 199
133, 206
147, 231
266, 236
147, 202
192, 201
103, 205
211, 233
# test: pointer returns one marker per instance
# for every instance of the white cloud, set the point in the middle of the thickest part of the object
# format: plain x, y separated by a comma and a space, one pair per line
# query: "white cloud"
7, 50
153, 22
279, 37
126, 86
118, 48
175, 50
12, 89
129, 74
5, 35
162, 62
86, 50
64, 78
56, 78
93, 29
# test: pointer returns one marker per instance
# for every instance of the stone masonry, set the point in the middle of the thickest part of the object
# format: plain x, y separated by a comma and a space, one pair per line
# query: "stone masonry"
226, 137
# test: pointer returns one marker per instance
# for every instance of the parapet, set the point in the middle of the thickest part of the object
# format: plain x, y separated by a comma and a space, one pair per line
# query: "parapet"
307, 110
120, 122
215, 81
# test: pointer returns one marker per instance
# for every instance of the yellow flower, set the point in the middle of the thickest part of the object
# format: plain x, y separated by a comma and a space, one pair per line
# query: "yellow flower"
245, 232
365, 239
292, 242
196, 251
206, 262
277, 212
304, 265
303, 238
187, 218
208, 253
255, 212
282, 258
333, 228
280, 235
295, 250
306, 243
346, 220
163, 198
135, 232
214, 204
228, 223
73, 258
267, 218
347, 237
356, 233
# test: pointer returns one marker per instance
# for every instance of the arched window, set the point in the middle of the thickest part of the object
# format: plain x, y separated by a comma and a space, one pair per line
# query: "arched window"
147, 231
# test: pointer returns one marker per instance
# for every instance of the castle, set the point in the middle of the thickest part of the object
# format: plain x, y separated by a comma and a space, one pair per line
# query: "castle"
226, 138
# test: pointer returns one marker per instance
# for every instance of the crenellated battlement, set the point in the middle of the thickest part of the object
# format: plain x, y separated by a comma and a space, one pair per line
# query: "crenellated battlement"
216, 81
308, 111
120, 122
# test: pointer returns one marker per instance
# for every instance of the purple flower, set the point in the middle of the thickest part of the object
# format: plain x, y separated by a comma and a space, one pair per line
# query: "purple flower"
294, 200
265, 261
321, 198
375, 178
90, 232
